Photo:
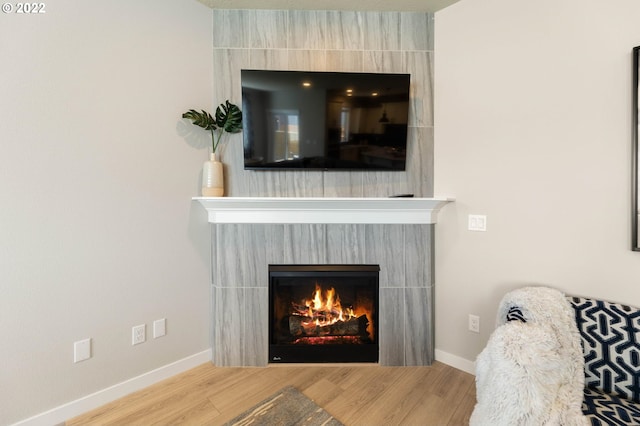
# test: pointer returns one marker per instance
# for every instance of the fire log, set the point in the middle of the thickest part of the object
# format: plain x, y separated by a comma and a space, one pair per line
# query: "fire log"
304, 326
297, 325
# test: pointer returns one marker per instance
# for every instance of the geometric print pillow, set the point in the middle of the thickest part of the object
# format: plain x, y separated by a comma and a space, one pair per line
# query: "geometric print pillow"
610, 335
515, 314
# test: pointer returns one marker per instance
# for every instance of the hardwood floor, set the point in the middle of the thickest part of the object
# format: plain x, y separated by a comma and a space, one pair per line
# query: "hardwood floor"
355, 395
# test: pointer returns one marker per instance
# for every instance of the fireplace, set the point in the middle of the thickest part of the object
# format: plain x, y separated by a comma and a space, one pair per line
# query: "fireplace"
323, 313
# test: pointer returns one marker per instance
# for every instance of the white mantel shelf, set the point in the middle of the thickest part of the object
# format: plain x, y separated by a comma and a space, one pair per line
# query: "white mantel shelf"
398, 210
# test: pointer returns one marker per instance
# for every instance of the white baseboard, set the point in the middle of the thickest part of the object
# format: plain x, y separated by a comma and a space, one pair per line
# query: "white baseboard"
456, 361
64, 412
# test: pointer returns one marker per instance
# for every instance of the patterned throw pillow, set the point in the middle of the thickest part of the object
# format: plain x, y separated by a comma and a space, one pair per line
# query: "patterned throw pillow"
606, 410
610, 335
515, 314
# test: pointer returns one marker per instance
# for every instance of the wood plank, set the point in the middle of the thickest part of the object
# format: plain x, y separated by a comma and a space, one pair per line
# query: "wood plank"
362, 394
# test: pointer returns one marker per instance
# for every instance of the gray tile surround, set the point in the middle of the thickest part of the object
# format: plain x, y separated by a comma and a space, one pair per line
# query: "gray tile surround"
341, 41
240, 283
323, 41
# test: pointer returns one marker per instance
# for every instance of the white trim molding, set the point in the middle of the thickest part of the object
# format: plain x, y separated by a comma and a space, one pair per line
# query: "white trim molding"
394, 210
456, 361
59, 415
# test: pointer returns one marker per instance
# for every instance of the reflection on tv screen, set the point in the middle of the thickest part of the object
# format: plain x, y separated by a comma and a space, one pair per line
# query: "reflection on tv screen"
325, 120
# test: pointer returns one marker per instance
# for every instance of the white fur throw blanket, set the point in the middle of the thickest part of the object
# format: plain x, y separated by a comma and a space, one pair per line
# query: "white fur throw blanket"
531, 373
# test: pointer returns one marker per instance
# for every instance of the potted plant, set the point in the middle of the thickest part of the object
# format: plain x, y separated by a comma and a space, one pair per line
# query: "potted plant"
228, 119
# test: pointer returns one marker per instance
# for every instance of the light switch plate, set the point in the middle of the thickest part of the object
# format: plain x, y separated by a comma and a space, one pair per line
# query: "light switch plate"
477, 222
159, 328
82, 350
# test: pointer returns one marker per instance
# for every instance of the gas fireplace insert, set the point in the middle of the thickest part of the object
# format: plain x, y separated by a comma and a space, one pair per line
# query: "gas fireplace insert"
323, 313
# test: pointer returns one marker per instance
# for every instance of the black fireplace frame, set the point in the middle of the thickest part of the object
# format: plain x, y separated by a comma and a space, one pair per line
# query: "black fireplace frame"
327, 353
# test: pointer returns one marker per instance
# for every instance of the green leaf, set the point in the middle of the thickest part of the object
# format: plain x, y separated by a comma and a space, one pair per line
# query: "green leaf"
229, 117
202, 119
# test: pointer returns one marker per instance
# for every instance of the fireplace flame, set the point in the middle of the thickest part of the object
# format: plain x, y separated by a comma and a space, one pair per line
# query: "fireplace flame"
324, 309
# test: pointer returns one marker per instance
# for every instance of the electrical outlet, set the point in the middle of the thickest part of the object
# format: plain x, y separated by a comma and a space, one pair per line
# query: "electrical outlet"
138, 334
81, 350
474, 323
159, 328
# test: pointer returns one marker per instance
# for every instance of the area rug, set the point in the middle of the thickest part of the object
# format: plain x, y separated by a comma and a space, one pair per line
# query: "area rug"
287, 407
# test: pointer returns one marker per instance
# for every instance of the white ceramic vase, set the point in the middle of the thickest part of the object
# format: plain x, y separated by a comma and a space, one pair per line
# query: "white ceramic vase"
212, 178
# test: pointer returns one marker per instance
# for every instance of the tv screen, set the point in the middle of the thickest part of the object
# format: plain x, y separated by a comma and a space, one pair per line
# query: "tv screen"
324, 120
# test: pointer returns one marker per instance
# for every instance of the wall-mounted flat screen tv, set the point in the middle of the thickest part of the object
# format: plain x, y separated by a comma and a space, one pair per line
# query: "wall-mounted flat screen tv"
324, 120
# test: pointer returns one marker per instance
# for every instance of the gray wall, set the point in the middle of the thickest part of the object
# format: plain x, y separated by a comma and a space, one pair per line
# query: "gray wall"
328, 41
97, 229
544, 92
